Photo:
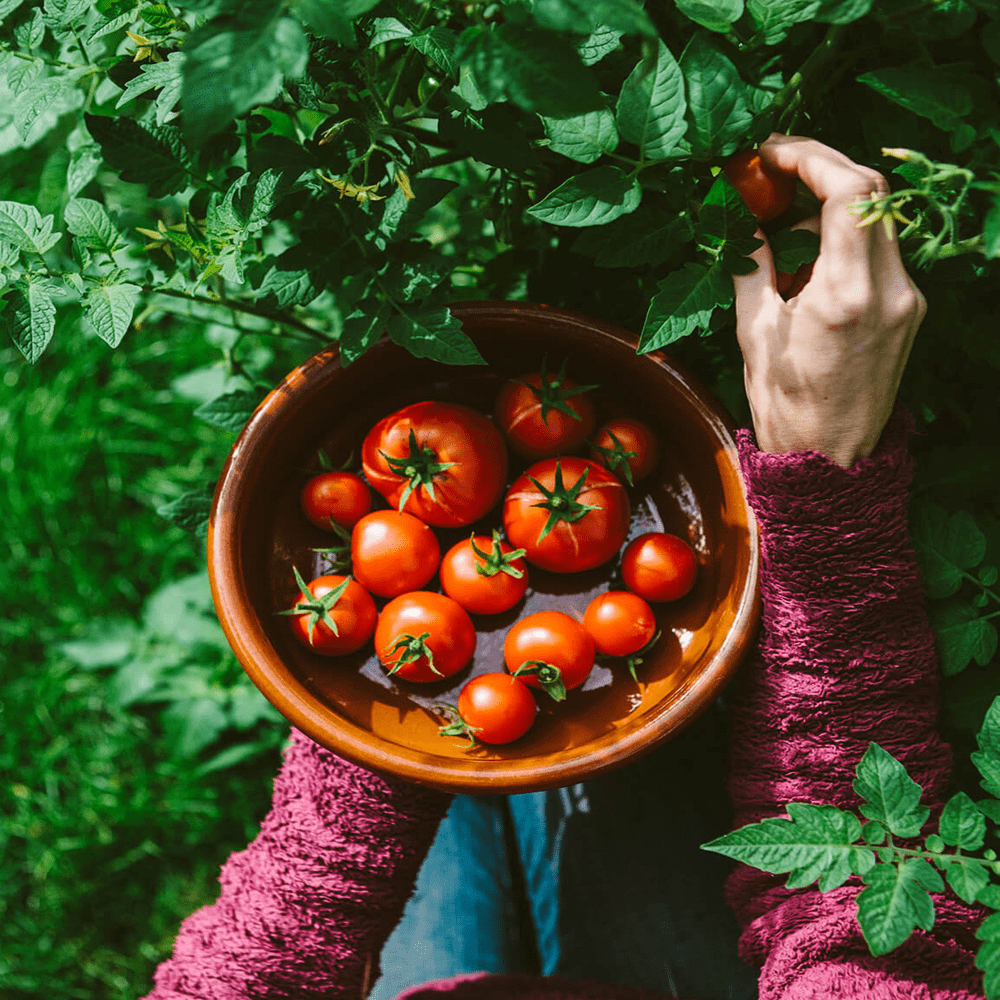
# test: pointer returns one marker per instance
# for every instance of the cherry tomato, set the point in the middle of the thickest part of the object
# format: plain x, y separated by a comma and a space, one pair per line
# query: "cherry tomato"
485, 575
543, 415
659, 567
767, 192
424, 637
494, 708
568, 514
625, 447
341, 497
550, 639
441, 462
333, 615
620, 623
392, 553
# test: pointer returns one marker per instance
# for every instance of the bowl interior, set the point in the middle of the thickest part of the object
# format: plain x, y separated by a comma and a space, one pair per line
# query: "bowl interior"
348, 703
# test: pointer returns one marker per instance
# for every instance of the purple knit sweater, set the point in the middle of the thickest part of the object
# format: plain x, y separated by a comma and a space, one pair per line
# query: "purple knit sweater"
846, 655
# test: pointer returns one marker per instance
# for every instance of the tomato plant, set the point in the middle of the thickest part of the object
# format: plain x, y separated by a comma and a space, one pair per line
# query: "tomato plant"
626, 447
550, 650
340, 497
563, 528
767, 192
493, 708
393, 552
441, 462
621, 624
485, 575
659, 567
543, 415
333, 615
422, 636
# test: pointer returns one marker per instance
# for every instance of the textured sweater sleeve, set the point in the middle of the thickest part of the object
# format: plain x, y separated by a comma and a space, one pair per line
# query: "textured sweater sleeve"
845, 657
305, 909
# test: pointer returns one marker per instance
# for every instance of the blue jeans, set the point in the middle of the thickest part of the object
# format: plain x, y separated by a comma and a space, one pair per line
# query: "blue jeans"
603, 880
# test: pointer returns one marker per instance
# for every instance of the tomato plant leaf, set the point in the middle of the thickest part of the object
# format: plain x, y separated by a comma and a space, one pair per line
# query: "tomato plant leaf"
946, 546
438, 44
290, 288
962, 825
435, 334
24, 227
926, 90
717, 113
716, 15
230, 411
30, 318
601, 42
387, 29
51, 96
590, 199
773, 19
60, 14
962, 636
626, 16
8, 7
891, 796
155, 155
167, 77
332, 20
896, 901
684, 303
791, 248
190, 510
967, 879
401, 215
987, 758
651, 105
89, 220
110, 308
584, 138
84, 163
842, 11
648, 237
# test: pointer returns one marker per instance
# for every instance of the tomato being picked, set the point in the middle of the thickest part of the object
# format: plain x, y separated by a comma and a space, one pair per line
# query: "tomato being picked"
543, 415
659, 567
492, 708
333, 615
625, 447
338, 497
568, 514
424, 637
767, 192
392, 553
550, 650
441, 462
485, 575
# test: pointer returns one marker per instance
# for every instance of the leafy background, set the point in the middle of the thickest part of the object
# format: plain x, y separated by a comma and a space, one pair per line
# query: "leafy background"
217, 188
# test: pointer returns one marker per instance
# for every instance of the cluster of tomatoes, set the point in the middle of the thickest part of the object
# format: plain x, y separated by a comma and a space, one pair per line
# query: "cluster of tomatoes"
444, 465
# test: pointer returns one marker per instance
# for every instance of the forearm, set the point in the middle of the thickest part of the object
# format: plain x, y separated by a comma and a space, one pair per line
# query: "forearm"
305, 909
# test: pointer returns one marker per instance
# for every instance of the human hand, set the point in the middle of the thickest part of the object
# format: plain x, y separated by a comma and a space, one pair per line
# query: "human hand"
822, 369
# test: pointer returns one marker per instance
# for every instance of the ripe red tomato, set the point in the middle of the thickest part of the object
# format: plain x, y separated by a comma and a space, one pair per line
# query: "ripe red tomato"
392, 553
659, 567
767, 192
620, 623
546, 640
441, 462
544, 415
333, 615
493, 708
568, 514
424, 637
341, 497
485, 575
625, 447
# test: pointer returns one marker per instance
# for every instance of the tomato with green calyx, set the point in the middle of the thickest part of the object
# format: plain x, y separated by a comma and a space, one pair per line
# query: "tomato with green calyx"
424, 637
568, 514
333, 615
335, 498
392, 553
543, 415
621, 624
441, 462
492, 708
485, 575
549, 650
659, 567
767, 191
626, 447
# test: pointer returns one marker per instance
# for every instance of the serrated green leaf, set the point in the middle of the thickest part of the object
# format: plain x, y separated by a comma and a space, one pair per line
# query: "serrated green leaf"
434, 334
30, 318
651, 106
189, 511
166, 76
962, 825
891, 796
791, 248
158, 16
155, 155
417, 277
84, 163
583, 16
990, 808
438, 44
89, 220
717, 113
725, 219
946, 545
22, 73
29, 33
962, 636
989, 929
9, 254
815, 842
230, 411
987, 759
110, 309
773, 19
647, 237
332, 20
54, 92
601, 42
362, 328
590, 199
24, 227
401, 216
716, 15
290, 288
584, 138
60, 14
117, 21
896, 901
967, 879
387, 29
7, 7
990, 896
926, 90
683, 304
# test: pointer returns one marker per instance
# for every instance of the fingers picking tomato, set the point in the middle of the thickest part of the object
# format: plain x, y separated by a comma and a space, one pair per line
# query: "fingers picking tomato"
549, 650
659, 567
627, 448
493, 708
333, 615
485, 575
424, 637
568, 514
341, 497
442, 462
393, 552
767, 192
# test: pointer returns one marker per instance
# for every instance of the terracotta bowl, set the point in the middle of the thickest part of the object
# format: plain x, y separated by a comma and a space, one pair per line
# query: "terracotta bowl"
349, 704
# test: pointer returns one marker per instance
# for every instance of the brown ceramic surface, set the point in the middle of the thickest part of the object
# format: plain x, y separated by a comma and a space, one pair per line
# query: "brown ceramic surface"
348, 703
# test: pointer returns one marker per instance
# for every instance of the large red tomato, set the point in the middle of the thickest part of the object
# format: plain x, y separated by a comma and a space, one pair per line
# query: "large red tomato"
392, 553
424, 637
333, 615
568, 514
557, 651
767, 192
441, 462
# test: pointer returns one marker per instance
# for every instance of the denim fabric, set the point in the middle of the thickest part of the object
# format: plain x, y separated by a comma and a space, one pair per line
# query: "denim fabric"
617, 888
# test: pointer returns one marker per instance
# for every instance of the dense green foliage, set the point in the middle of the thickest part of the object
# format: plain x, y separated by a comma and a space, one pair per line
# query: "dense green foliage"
222, 186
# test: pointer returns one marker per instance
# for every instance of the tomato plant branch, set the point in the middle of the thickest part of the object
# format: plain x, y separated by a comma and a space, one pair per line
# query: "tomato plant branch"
789, 97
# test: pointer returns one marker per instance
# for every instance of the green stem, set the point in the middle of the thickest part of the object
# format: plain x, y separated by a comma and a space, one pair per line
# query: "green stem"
407, 57
931, 856
791, 92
